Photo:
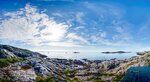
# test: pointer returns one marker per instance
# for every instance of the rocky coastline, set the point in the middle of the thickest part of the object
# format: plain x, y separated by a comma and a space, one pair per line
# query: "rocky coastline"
39, 68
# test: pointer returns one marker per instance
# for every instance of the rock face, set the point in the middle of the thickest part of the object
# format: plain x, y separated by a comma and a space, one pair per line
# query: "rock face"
36, 64
21, 52
5, 53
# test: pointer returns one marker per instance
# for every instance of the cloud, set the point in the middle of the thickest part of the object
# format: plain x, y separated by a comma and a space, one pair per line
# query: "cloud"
101, 39
93, 24
103, 10
31, 26
144, 27
79, 27
123, 30
79, 16
57, 14
73, 36
90, 20
110, 24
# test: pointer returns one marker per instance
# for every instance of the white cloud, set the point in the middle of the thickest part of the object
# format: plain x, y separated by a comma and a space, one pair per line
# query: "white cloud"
33, 27
62, 44
123, 31
79, 27
103, 34
116, 32
119, 29
79, 17
107, 42
73, 36
57, 14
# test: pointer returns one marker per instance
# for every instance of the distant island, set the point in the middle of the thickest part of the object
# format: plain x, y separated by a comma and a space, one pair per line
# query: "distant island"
108, 52
76, 52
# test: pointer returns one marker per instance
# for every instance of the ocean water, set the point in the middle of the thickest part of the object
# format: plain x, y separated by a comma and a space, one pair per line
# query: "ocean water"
87, 55
137, 74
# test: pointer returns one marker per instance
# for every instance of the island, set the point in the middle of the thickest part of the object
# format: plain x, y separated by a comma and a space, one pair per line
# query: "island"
108, 52
76, 52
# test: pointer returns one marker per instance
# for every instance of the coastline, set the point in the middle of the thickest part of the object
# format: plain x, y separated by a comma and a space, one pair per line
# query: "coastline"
39, 65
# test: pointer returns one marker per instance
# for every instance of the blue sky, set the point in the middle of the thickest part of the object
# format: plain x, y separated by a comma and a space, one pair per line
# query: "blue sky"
94, 25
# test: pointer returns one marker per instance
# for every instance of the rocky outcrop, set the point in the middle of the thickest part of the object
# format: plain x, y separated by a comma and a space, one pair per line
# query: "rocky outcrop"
36, 64
16, 72
5, 53
19, 52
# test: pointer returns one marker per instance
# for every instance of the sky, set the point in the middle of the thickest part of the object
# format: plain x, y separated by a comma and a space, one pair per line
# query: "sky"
83, 25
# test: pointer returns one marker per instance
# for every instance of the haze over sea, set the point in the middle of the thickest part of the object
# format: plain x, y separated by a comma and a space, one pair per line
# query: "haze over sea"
87, 55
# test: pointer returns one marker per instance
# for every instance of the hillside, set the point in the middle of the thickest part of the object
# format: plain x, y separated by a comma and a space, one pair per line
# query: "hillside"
21, 65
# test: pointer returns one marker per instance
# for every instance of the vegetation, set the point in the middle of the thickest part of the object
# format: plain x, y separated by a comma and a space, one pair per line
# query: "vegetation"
107, 74
148, 59
97, 79
4, 62
67, 77
41, 79
76, 80
70, 73
26, 67
118, 78
4, 80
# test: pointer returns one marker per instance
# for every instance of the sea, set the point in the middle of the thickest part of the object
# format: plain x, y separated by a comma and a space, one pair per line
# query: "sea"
87, 55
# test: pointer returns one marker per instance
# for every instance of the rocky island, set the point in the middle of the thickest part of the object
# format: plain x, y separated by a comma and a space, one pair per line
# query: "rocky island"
108, 52
21, 65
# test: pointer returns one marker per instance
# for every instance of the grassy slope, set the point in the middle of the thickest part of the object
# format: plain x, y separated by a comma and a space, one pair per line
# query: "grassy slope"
4, 62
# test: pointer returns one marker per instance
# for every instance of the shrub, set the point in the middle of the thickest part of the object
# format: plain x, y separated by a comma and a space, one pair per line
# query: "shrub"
26, 67
4, 80
41, 79
118, 78
4, 62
